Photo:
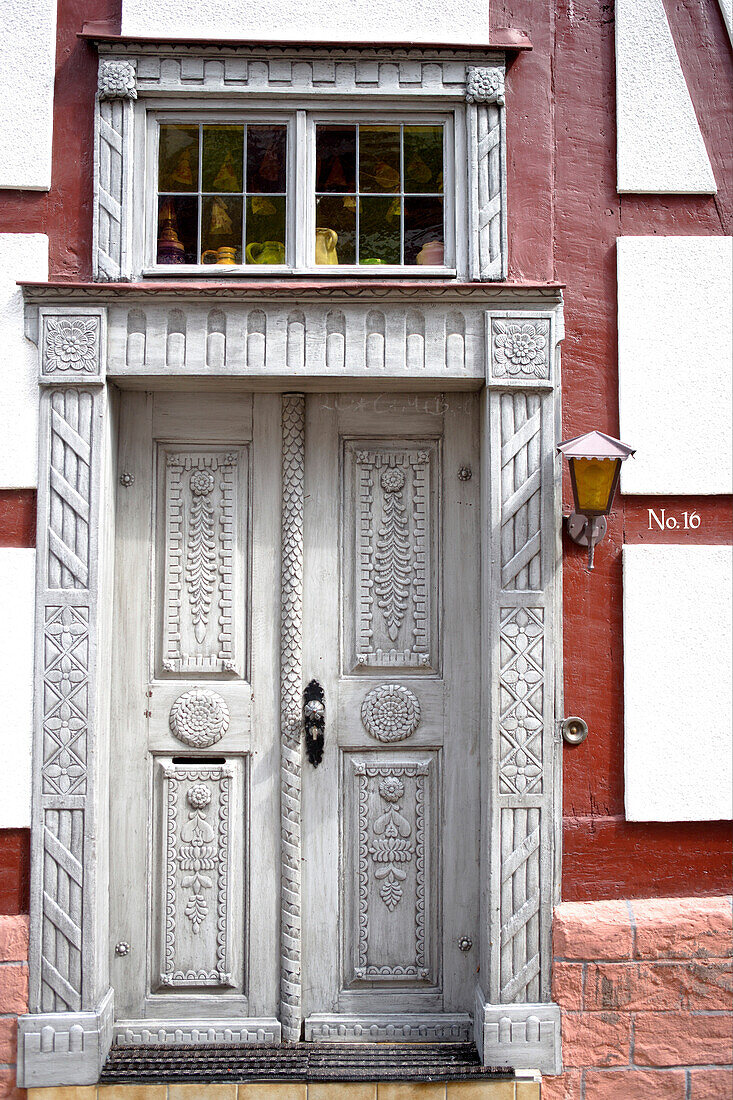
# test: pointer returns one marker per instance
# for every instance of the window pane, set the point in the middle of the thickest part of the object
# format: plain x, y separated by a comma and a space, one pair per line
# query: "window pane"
266, 150
178, 158
265, 229
221, 230
339, 215
423, 227
336, 159
379, 229
223, 154
379, 158
424, 159
177, 229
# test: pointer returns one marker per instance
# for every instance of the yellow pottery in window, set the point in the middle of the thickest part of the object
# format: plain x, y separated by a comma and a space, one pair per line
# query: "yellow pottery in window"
326, 246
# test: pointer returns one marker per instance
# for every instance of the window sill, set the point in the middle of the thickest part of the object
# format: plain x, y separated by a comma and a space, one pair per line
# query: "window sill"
330, 271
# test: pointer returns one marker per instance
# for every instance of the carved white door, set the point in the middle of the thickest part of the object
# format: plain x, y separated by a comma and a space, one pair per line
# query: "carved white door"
390, 815
194, 804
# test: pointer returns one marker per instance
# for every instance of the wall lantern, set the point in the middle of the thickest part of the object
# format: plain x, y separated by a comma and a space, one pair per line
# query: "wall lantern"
595, 464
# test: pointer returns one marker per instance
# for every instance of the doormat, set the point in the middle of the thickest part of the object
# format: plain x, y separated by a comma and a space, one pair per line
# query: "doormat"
300, 1062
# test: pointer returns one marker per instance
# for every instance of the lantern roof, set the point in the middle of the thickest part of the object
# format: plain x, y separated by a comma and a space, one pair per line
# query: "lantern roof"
595, 445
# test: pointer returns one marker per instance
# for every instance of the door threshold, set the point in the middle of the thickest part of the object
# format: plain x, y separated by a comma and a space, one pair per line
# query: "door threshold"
300, 1062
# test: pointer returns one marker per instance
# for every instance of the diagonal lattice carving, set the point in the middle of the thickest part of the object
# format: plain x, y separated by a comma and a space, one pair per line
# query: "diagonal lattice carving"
521, 699
488, 183
520, 903
113, 115
291, 687
521, 511
65, 699
70, 489
61, 941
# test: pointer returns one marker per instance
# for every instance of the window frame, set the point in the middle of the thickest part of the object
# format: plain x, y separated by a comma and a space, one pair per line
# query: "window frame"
300, 208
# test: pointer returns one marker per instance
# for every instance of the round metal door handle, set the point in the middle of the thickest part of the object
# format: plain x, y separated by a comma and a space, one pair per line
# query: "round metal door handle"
122, 948
574, 730
465, 943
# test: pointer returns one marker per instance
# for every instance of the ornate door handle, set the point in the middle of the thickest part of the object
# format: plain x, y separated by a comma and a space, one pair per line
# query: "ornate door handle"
314, 722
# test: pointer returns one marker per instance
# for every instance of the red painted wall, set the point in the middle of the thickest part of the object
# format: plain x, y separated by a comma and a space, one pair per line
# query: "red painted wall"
564, 218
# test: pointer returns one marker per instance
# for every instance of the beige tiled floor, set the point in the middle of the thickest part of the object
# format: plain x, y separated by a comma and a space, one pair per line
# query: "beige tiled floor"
480, 1090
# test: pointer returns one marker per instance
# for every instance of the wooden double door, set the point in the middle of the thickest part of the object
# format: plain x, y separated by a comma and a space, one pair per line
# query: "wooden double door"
343, 879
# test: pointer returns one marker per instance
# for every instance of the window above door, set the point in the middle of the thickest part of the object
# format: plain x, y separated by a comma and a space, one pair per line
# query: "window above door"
232, 161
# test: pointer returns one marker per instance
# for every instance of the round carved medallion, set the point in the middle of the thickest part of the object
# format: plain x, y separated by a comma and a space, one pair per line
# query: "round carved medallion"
199, 718
390, 712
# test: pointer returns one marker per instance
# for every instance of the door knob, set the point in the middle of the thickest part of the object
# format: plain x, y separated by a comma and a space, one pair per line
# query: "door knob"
314, 722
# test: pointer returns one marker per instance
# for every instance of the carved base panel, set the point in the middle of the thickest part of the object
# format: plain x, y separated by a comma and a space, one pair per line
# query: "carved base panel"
524, 1036
64, 1048
199, 1032
398, 1028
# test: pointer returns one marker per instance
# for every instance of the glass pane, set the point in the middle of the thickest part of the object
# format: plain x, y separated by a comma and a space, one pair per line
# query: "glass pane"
266, 146
178, 158
335, 216
424, 231
177, 229
336, 159
221, 230
223, 154
379, 158
424, 159
379, 230
265, 229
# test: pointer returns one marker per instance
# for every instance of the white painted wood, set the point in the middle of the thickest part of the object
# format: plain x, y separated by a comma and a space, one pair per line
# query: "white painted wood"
390, 816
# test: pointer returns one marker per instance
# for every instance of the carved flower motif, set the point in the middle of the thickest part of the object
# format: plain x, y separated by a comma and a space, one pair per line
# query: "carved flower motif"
198, 796
485, 86
392, 479
71, 344
521, 768
117, 80
390, 712
519, 347
391, 789
66, 629
202, 482
199, 718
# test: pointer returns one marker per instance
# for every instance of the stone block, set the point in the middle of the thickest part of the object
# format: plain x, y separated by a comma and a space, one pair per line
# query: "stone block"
273, 1090
477, 1090
711, 1084
8, 1038
132, 1092
683, 928
567, 985
13, 938
596, 1038
64, 1092
682, 1039
13, 990
635, 1085
671, 986
565, 1087
202, 1092
332, 1090
592, 930
8, 1088
393, 1090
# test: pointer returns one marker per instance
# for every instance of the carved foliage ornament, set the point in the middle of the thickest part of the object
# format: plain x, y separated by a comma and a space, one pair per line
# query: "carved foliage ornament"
390, 712
199, 718
71, 344
117, 80
485, 86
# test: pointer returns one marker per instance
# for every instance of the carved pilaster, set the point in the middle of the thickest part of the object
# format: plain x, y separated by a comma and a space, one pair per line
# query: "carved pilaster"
515, 1022
291, 702
486, 173
65, 1042
117, 89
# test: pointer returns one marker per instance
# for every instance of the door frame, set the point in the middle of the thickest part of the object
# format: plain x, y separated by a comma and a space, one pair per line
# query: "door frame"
67, 1034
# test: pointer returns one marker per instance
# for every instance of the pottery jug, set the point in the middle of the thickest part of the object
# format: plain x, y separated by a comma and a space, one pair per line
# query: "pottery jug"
267, 252
431, 254
223, 255
326, 246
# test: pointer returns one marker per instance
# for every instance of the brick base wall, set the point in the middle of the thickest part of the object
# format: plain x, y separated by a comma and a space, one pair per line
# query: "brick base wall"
646, 993
13, 996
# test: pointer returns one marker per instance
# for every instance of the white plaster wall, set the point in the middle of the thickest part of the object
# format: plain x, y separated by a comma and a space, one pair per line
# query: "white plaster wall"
678, 641
22, 256
27, 66
17, 577
659, 146
675, 349
317, 21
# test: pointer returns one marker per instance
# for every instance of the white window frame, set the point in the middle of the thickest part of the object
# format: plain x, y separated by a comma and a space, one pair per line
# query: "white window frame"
300, 215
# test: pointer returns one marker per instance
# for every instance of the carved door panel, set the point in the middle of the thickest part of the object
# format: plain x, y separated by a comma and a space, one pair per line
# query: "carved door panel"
390, 829
194, 800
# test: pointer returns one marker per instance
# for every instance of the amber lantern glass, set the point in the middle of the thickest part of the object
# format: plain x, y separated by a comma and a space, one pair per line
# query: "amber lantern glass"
594, 483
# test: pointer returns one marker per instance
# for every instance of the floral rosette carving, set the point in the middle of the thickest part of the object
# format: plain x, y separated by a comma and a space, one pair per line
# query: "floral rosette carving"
390, 713
117, 80
520, 348
485, 86
199, 718
71, 344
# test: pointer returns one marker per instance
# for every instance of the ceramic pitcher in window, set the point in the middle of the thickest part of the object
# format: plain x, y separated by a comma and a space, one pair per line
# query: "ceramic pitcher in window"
326, 246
